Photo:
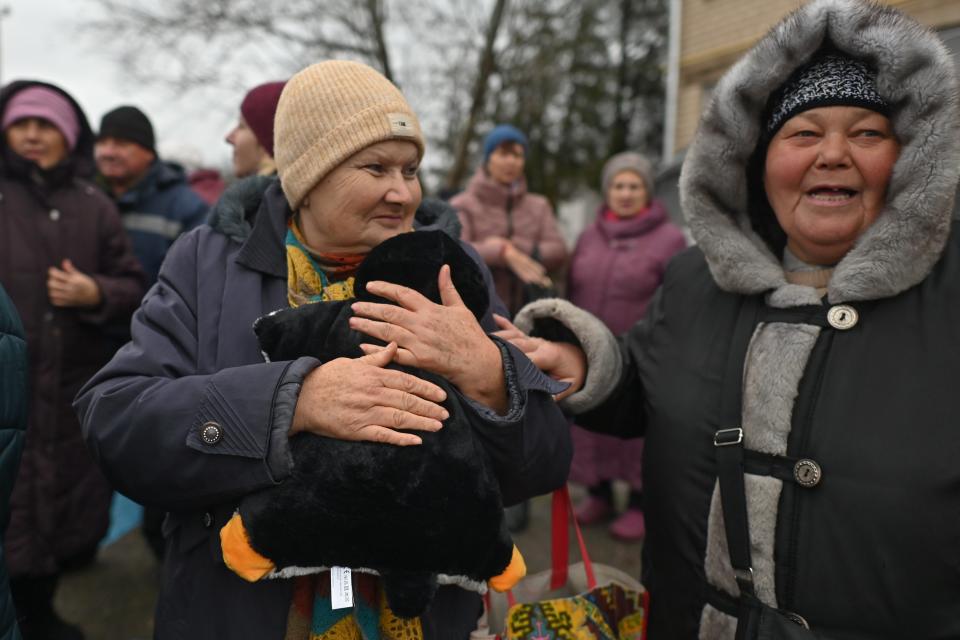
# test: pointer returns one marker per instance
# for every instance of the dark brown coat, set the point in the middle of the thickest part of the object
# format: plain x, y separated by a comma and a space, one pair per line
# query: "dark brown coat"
60, 502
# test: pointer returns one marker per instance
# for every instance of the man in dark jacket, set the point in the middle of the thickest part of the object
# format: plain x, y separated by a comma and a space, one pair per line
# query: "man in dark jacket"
13, 422
154, 197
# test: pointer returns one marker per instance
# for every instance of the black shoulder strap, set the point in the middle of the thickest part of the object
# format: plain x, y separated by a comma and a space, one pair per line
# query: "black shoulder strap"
729, 447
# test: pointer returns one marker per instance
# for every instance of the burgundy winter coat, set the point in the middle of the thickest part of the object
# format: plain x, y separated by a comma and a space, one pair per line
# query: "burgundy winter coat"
60, 502
490, 209
618, 265
615, 270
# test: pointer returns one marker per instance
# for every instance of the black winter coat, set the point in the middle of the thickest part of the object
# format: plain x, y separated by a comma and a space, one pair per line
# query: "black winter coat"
871, 551
877, 410
195, 360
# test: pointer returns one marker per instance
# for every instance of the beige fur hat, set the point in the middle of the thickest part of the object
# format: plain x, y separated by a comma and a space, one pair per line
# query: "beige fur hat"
330, 111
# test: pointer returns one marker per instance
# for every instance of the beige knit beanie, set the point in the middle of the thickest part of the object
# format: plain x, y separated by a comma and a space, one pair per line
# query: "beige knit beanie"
330, 111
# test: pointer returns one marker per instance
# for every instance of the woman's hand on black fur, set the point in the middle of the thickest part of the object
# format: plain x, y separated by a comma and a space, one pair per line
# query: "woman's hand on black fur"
358, 399
445, 339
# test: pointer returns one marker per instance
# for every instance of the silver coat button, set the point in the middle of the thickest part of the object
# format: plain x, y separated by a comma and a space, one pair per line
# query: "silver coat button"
211, 433
843, 317
54, 214
207, 519
807, 473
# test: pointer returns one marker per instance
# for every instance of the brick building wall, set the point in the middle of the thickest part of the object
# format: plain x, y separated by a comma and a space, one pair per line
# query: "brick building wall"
714, 33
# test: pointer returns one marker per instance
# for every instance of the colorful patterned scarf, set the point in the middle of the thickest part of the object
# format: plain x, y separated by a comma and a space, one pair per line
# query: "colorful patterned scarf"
312, 617
315, 277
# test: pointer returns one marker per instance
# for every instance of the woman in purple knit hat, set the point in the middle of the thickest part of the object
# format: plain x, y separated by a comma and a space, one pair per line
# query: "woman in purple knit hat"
616, 267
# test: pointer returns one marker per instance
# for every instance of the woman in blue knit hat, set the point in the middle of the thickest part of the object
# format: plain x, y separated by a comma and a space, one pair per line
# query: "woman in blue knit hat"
515, 231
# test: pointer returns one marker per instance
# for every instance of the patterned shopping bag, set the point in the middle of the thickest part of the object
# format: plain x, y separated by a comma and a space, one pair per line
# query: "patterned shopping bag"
582, 601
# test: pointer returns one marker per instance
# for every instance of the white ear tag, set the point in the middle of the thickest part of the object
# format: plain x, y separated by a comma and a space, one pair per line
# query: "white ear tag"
341, 588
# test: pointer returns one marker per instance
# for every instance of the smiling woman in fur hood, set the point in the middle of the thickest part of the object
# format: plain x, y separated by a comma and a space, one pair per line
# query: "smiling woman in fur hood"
803, 357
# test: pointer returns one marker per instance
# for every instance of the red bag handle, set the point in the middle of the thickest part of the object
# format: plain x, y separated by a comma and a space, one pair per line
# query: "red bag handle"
562, 515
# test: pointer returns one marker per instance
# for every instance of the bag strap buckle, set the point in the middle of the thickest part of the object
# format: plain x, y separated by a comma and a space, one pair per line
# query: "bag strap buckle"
744, 578
728, 437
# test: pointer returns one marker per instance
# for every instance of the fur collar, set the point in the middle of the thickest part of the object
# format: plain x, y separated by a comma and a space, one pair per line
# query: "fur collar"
234, 213
914, 74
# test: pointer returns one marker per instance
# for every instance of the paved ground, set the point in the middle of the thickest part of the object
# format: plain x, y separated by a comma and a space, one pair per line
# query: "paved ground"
113, 599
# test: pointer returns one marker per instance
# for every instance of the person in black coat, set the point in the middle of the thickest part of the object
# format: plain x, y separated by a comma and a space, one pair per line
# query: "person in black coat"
795, 375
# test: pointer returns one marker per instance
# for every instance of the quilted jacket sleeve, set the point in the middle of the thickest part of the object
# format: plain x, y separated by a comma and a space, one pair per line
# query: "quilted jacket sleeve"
13, 423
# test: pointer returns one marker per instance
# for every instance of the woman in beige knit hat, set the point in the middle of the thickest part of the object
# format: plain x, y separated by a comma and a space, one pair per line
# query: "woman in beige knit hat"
190, 418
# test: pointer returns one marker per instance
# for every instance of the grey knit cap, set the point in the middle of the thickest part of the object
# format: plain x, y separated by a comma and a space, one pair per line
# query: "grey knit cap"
830, 79
628, 161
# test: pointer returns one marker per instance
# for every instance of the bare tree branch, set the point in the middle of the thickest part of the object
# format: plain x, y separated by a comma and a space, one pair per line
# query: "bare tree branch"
478, 95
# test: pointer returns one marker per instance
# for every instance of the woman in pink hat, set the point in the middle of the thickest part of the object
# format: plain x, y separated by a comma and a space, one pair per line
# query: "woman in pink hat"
67, 265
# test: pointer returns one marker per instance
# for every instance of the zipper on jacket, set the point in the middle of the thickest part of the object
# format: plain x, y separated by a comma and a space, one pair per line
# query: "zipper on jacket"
612, 255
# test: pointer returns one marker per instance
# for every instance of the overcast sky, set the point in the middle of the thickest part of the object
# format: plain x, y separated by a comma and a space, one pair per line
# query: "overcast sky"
39, 40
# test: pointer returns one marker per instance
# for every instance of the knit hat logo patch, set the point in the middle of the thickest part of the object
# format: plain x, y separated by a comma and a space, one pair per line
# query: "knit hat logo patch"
401, 124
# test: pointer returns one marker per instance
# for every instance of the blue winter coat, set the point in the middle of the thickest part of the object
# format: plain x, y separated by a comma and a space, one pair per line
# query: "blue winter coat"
13, 423
156, 211
194, 359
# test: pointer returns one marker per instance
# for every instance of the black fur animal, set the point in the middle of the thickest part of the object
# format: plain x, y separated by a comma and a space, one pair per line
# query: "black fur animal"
408, 512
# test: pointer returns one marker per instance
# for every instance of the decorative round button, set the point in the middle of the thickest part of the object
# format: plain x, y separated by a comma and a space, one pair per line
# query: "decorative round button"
54, 214
211, 433
807, 473
843, 317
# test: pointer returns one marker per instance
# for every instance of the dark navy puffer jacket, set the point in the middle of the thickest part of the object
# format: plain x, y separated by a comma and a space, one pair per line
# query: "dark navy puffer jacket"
13, 423
156, 211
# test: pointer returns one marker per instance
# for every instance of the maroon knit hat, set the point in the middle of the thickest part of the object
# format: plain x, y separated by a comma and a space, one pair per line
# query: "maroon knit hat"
258, 108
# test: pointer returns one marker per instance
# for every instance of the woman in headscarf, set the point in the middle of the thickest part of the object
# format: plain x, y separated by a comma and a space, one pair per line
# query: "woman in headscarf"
794, 376
190, 418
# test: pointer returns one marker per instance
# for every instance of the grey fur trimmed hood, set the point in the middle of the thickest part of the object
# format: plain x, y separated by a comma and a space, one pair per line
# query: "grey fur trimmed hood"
915, 75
